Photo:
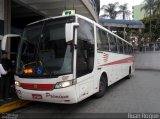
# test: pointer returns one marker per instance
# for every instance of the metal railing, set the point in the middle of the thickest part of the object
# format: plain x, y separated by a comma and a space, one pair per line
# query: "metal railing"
150, 47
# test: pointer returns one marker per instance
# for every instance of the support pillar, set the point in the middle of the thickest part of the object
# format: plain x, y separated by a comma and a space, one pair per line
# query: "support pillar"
7, 22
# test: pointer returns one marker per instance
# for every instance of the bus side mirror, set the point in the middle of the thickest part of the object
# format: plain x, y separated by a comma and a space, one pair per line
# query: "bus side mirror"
4, 40
69, 31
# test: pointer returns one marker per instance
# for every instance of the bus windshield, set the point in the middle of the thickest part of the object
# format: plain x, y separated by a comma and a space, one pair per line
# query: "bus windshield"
43, 51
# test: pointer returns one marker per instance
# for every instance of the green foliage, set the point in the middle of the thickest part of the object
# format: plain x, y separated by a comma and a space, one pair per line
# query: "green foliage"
154, 21
124, 10
111, 11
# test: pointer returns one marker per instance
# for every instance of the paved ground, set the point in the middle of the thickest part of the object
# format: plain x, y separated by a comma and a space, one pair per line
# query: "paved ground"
139, 94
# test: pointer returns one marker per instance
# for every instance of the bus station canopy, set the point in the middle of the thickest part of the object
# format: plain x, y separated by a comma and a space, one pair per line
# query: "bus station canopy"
121, 23
51, 8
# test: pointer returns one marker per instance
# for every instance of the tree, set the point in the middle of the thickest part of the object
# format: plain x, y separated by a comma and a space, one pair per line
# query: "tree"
149, 8
157, 6
110, 10
124, 10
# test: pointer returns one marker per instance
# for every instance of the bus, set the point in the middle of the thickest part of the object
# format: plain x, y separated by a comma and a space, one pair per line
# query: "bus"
66, 59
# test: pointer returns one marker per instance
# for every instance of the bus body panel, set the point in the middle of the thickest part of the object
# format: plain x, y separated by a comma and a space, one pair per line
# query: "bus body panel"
115, 65
65, 95
85, 88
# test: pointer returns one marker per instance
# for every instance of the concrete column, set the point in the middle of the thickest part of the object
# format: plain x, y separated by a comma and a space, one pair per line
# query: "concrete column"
124, 33
7, 21
1, 9
91, 10
7, 16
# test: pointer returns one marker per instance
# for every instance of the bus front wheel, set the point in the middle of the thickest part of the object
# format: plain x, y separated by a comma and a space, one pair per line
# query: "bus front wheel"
102, 88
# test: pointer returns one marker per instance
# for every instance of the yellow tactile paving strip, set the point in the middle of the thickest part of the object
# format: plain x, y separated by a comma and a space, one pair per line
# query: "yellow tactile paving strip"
13, 105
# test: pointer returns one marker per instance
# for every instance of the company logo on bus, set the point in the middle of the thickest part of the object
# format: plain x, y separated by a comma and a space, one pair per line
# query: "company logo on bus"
35, 86
36, 96
48, 95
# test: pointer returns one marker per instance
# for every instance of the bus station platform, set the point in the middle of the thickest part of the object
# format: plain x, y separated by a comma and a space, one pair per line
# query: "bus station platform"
11, 105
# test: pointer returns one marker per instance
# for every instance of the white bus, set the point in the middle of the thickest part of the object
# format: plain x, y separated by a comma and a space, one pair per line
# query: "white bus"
69, 58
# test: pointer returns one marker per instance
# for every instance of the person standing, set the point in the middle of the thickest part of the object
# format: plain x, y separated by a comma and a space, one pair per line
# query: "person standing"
8, 77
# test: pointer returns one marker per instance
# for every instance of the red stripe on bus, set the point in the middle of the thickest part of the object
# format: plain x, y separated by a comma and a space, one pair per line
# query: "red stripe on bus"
126, 60
37, 86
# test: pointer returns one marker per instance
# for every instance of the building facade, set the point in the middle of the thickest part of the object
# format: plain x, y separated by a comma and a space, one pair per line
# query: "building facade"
138, 12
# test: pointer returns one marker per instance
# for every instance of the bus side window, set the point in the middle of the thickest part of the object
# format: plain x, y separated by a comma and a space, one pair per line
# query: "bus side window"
125, 48
99, 41
113, 44
120, 46
130, 49
102, 40
85, 51
106, 41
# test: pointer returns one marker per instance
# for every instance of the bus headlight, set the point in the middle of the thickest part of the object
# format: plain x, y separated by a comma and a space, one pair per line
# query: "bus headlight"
65, 84
17, 83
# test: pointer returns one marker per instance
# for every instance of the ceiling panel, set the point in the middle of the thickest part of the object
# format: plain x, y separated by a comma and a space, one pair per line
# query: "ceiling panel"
56, 7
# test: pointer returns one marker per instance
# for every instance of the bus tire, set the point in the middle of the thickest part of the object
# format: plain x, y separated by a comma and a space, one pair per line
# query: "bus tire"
102, 87
129, 75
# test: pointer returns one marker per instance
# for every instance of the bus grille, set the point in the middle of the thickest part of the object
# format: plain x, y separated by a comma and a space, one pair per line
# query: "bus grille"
37, 86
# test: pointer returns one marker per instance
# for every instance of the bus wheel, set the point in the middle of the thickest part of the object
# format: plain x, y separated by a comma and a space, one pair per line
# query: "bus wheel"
129, 75
102, 88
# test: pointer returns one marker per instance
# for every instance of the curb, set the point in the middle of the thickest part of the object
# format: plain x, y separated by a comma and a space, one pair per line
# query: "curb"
13, 105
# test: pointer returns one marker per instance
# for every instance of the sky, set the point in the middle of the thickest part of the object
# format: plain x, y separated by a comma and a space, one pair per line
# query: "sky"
130, 3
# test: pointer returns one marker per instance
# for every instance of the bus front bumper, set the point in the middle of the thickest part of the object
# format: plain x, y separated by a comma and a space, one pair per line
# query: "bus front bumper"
64, 95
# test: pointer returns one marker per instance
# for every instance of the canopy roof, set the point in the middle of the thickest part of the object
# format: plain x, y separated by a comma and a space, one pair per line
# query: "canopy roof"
121, 23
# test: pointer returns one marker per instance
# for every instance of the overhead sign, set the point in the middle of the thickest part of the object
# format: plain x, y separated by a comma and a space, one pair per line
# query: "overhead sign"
68, 12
